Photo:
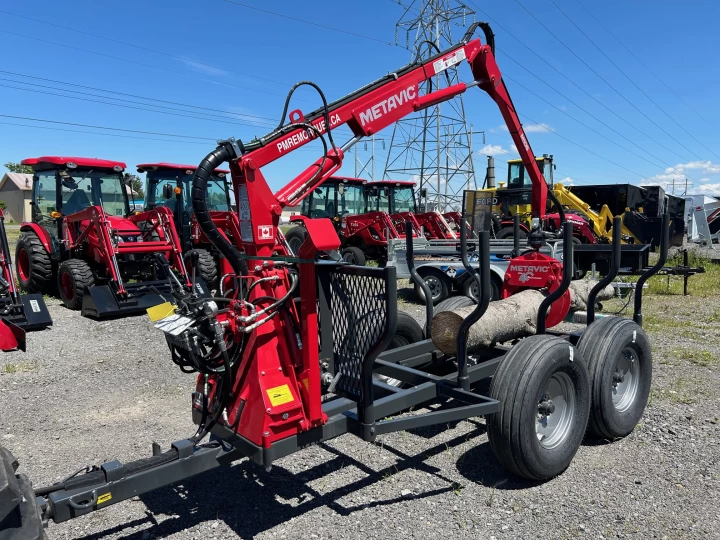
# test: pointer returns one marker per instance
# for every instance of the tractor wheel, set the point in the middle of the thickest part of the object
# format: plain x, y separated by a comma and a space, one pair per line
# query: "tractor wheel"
407, 331
454, 302
295, 238
470, 289
438, 283
544, 393
206, 268
73, 276
619, 362
509, 232
354, 255
33, 264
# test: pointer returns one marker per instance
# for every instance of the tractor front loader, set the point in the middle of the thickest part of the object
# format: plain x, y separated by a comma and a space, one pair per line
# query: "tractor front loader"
18, 313
86, 245
275, 375
169, 185
397, 198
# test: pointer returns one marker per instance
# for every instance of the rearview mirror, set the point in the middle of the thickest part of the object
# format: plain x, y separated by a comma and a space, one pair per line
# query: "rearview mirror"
341, 189
167, 191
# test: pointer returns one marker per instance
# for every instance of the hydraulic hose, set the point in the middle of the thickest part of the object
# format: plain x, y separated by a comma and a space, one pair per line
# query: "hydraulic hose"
202, 176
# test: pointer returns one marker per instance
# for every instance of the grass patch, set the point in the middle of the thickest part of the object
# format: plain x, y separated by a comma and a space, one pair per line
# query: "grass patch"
18, 367
701, 285
699, 357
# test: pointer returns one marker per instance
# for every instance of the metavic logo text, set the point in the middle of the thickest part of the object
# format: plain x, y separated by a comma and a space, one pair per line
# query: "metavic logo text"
385, 106
525, 268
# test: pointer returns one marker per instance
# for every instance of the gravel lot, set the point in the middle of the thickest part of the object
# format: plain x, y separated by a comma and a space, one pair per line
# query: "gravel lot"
88, 392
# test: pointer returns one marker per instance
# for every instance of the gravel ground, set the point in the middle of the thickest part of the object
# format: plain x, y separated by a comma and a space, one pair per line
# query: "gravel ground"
88, 392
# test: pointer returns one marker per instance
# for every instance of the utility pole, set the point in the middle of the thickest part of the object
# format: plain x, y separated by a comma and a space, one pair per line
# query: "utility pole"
433, 147
370, 163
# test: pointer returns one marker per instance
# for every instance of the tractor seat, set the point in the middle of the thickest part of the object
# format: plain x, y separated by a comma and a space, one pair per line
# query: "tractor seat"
78, 201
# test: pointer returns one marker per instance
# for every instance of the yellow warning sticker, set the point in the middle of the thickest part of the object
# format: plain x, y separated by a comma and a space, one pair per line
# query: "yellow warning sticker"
161, 311
280, 395
104, 498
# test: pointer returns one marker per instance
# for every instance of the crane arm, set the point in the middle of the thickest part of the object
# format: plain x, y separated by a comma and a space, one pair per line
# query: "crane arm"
365, 112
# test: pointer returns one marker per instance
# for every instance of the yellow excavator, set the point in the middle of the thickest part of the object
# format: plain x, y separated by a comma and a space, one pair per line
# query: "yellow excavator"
513, 198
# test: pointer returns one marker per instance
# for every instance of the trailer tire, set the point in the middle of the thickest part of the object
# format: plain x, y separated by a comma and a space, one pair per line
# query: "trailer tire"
438, 283
407, 331
454, 302
509, 232
207, 267
616, 347
295, 238
33, 264
528, 384
354, 255
470, 288
73, 276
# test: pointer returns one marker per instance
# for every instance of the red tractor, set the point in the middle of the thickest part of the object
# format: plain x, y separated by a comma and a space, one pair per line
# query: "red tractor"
84, 242
169, 185
397, 198
363, 234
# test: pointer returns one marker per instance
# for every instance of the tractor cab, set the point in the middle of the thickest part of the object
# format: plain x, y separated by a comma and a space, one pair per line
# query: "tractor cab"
336, 198
397, 198
170, 185
64, 186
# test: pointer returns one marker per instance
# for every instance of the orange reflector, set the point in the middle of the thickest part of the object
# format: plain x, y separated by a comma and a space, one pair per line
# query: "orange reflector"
55, 215
178, 190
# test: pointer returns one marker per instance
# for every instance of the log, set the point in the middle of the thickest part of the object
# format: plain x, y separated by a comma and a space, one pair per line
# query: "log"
505, 320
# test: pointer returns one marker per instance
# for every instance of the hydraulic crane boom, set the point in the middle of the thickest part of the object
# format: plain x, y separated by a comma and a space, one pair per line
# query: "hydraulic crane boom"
366, 111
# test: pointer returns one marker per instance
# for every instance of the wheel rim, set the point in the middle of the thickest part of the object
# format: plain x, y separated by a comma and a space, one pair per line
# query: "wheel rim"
434, 285
24, 265
349, 257
556, 410
474, 289
626, 379
66, 286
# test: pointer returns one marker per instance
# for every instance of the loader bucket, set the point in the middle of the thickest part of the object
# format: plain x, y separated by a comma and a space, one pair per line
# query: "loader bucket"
12, 337
19, 511
37, 316
101, 302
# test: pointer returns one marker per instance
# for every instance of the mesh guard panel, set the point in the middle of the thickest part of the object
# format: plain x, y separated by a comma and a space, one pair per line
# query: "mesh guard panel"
363, 304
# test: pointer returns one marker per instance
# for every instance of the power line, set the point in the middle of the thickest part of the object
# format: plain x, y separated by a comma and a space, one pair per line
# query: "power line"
597, 132
572, 82
108, 128
630, 79
310, 22
605, 81
66, 83
140, 47
262, 90
104, 134
642, 64
88, 100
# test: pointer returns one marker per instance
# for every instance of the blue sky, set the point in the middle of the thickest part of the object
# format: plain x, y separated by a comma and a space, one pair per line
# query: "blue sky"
234, 66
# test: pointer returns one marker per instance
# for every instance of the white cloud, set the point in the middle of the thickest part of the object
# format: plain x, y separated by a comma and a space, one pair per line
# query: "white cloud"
567, 181
492, 150
530, 128
679, 173
513, 148
706, 189
204, 68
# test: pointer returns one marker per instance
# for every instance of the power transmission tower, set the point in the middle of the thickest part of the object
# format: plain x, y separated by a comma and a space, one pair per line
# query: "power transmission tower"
433, 147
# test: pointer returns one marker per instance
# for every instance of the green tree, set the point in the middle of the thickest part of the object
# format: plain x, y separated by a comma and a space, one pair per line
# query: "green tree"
17, 167
135, 183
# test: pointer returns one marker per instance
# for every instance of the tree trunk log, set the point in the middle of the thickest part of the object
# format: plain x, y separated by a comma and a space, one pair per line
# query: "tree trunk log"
504, 320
